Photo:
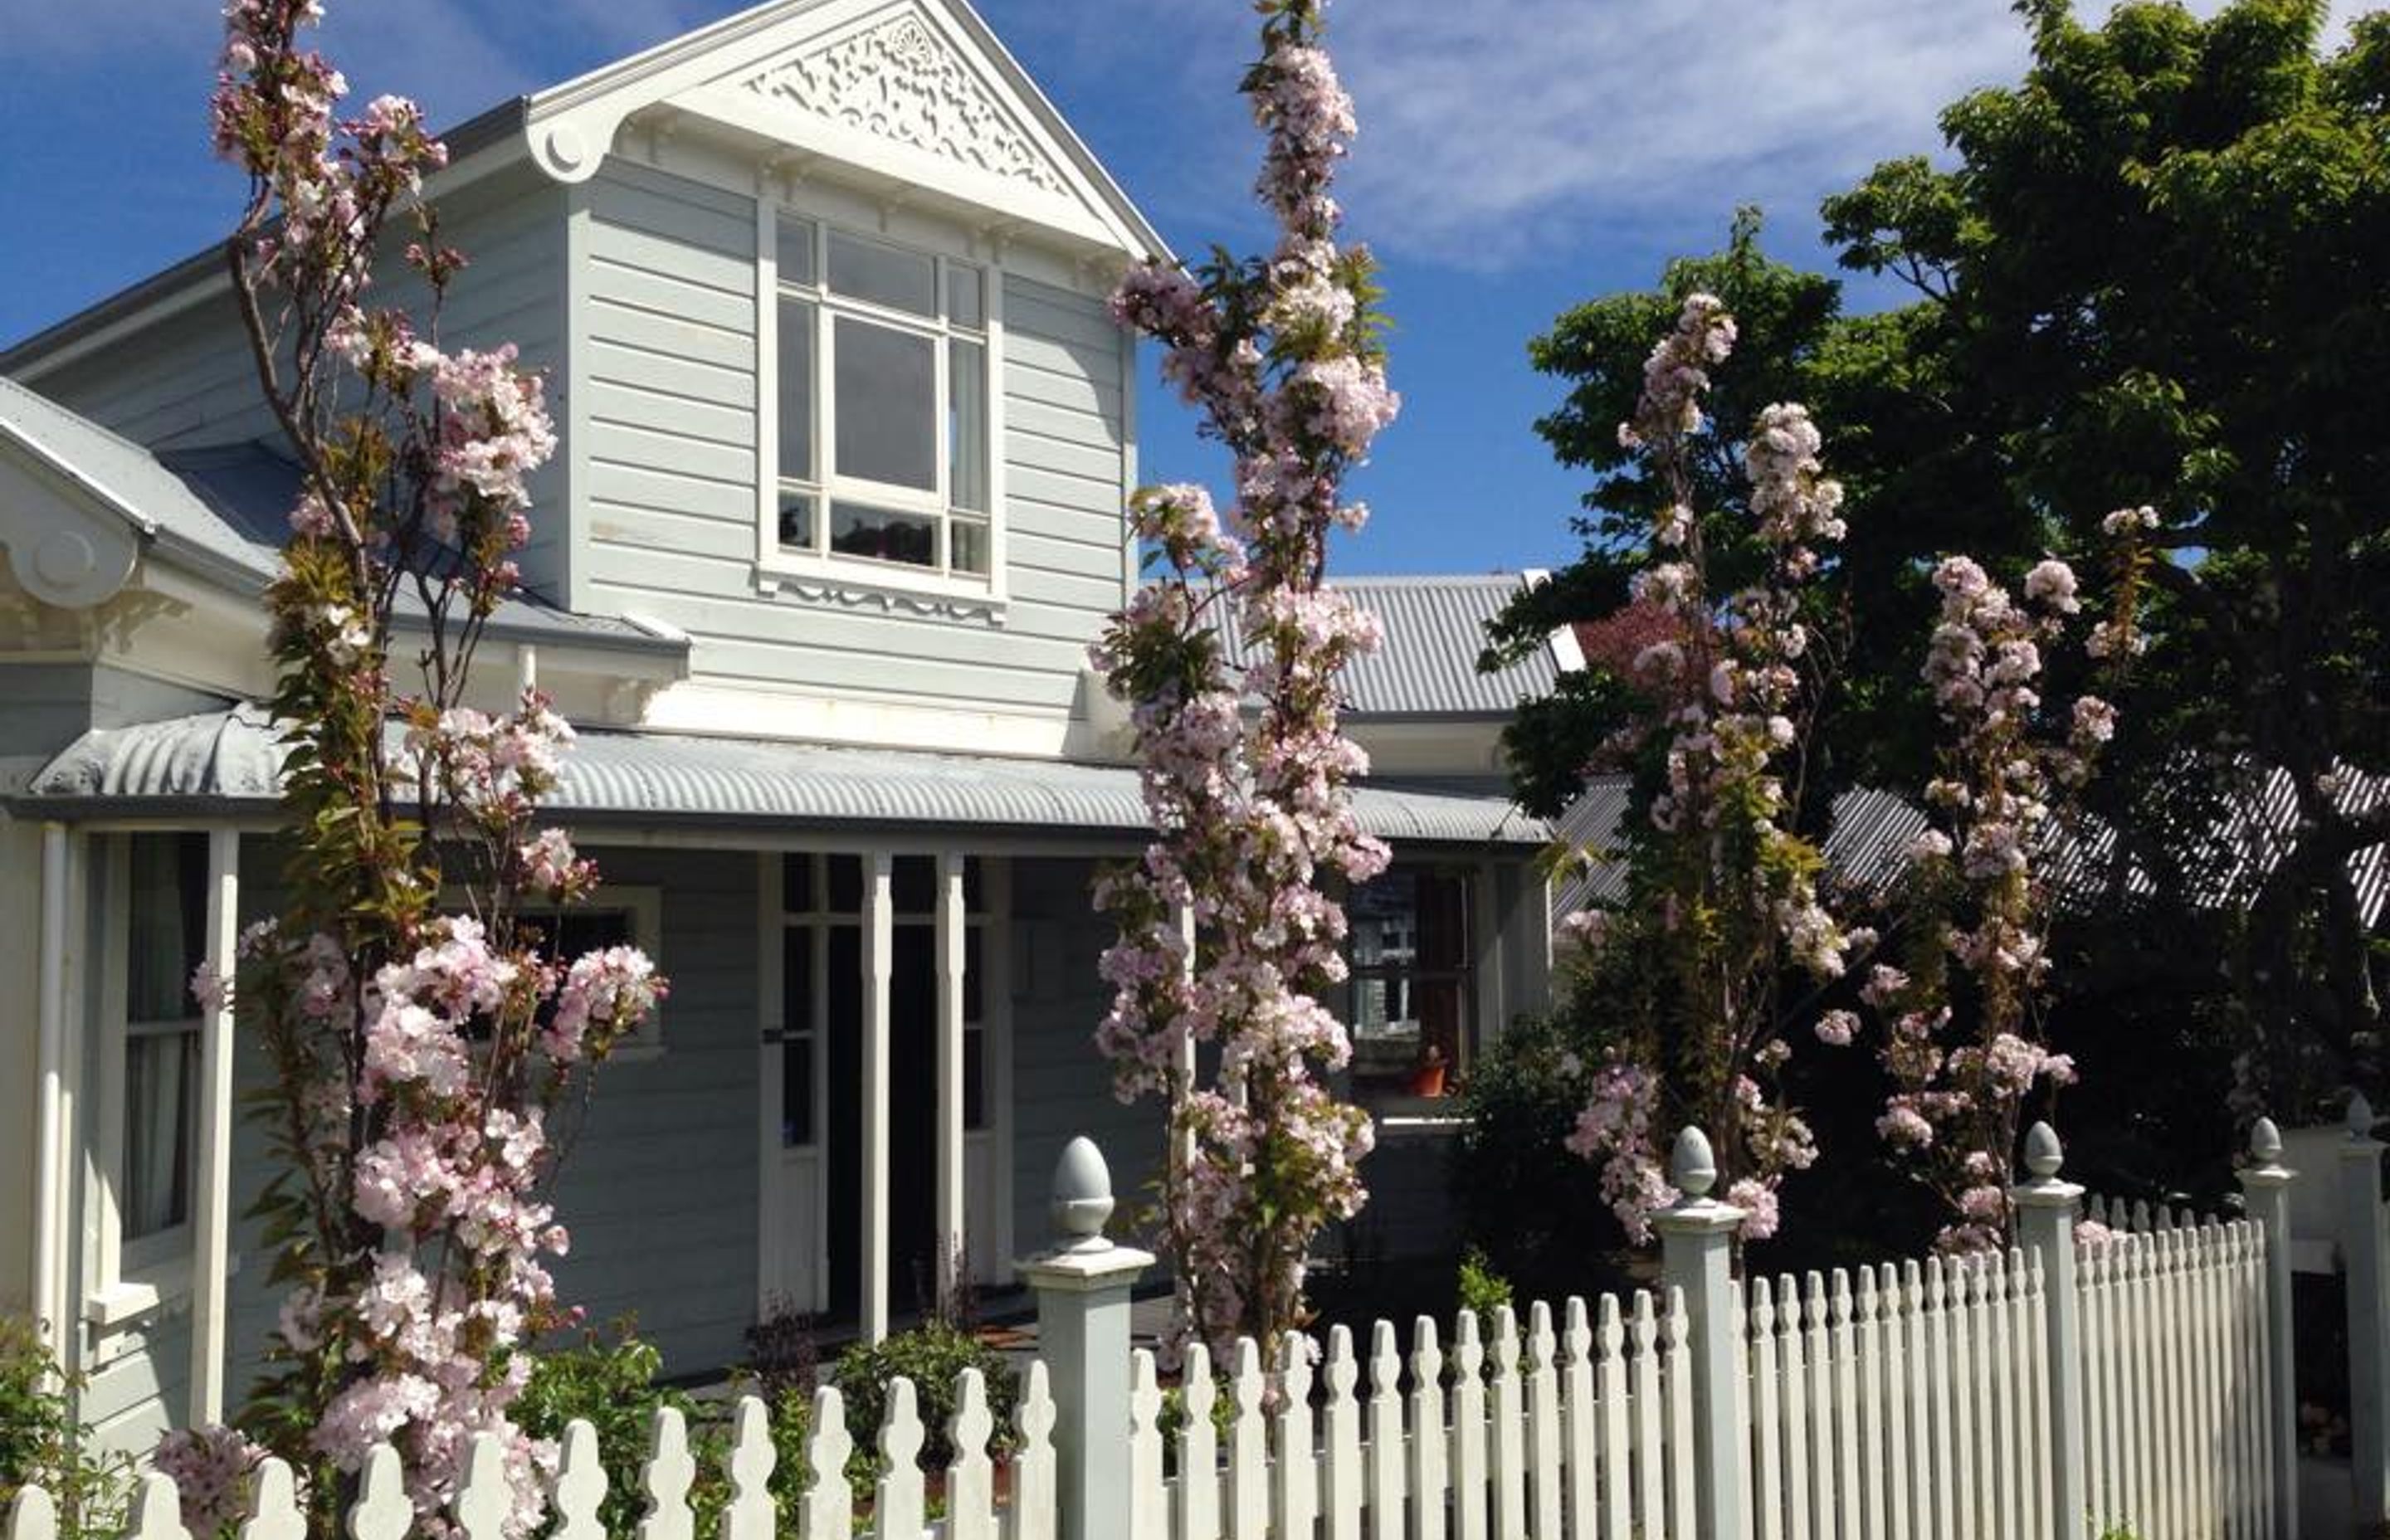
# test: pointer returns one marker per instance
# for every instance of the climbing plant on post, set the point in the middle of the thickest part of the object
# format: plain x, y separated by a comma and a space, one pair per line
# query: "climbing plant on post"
1226, 937
417, 1039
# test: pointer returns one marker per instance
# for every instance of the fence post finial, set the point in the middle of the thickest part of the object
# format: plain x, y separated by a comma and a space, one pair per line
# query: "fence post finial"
2046, 1208
2362, 1255
1083, 1283
2266, 1187
1696, 1259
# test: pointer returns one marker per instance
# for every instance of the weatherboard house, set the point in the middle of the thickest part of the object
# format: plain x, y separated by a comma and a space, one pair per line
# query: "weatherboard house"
845, 435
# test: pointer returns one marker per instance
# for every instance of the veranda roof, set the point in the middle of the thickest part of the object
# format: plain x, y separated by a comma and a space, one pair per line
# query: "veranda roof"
228, 762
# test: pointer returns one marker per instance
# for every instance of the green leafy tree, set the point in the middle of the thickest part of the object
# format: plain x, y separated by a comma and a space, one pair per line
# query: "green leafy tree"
2147, 275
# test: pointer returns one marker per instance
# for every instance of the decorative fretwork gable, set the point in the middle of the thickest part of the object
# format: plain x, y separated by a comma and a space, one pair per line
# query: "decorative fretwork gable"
897, 80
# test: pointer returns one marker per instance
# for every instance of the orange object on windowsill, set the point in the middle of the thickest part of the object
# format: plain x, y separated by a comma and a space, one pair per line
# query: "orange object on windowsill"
1428, 1079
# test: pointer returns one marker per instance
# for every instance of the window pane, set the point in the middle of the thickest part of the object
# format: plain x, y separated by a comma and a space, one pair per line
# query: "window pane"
884, 535
974, 895
969, 537
966, 295
797, 1091
796, 388
795, 249
967, 428
887, 413
846, 884
797, 524
169, 918
797, 884
975, 1079
866, 270
797, 979
974, 979
161, 1080
912, 883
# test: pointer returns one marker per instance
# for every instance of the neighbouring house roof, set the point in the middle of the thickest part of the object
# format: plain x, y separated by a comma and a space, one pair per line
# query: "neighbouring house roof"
1434, 629
230, 762
223, 511
1867, 845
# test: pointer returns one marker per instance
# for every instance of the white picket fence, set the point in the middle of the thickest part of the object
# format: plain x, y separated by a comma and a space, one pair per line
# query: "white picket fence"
1942, 1400
2176, 1376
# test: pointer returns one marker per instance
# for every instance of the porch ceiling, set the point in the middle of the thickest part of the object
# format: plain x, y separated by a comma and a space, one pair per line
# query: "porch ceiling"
230, 761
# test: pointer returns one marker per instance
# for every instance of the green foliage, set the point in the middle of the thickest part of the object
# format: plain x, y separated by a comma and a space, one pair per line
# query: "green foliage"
1533, 1210
2145, 274
1481, 1290
41, 1444
930, 1356
609, 1382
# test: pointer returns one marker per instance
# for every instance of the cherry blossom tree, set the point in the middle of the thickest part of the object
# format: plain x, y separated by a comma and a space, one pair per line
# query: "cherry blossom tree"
1962, 1043
1227, 939
1688, 974
418, 1044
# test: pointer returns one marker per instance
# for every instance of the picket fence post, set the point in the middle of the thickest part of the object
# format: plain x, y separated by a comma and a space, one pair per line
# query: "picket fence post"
2047, 1210
1696, 1246
2266, 1186
2369, 1353
1082, 1286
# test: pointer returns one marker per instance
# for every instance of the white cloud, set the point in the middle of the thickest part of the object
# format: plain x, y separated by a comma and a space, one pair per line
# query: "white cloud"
1492, 129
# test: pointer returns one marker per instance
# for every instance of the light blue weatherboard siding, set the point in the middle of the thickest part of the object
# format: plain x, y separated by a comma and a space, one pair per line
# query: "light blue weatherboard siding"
674, 401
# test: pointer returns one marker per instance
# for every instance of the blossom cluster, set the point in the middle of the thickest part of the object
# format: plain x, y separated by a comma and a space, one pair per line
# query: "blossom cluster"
1720, 890
1225, 935
1977, 875
212, 1467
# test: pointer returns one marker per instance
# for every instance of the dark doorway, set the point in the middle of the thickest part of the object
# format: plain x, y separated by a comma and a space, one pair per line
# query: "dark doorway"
913, 1118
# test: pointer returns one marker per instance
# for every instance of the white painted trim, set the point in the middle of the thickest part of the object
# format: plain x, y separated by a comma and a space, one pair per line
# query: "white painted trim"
211, 1184
1130, 572
950, 925
52, 1132
1485, 920
878, 949
822, 1031
576, 591
732, 711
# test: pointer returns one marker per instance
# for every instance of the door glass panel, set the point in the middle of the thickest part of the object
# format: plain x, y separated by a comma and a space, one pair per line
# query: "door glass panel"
797, 524
866, 270
797, 884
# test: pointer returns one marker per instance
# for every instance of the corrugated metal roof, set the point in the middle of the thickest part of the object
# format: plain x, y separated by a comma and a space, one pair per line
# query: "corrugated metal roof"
220, 759
227, 507
1434, 629
1868, 841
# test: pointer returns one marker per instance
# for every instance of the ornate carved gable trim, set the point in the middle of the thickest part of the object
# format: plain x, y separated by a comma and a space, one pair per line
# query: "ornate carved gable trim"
897, 80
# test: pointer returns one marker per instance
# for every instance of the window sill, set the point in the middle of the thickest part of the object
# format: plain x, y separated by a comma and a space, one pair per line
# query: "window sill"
862, 583
161, 1288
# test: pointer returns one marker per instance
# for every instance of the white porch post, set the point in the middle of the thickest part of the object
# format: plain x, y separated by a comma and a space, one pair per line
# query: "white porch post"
953, 1262
878, 949
50, 1159
2361, 1250
211, 1215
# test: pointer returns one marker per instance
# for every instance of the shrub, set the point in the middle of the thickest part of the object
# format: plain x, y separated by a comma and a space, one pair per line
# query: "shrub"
41, 1444
782, 1357
609, 1383
931, 1356
1482, 1290
1535, 1209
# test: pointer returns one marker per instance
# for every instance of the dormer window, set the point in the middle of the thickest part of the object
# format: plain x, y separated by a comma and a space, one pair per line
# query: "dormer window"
881, 409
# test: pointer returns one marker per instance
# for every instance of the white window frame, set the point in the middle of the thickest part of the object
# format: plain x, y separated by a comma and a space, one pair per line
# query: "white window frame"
129, 1276
645, 905
821, 565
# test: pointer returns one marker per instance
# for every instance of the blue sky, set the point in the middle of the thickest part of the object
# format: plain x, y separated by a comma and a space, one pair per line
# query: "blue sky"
1516, 156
